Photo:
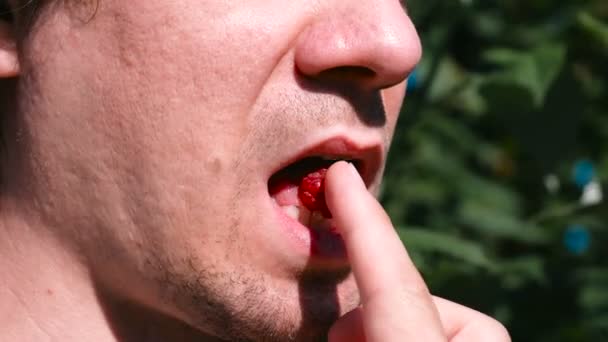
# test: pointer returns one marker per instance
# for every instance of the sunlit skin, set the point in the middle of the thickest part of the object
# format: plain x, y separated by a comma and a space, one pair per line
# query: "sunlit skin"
140, 137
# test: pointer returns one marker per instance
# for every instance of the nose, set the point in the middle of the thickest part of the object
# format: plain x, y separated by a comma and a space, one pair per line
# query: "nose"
371, 43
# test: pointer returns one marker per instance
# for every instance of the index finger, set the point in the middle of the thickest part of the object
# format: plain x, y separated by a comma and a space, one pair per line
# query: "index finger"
386, 277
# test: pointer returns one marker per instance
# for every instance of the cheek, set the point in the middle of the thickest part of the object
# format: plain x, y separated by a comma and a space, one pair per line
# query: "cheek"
182, 71
201, 52
168, 85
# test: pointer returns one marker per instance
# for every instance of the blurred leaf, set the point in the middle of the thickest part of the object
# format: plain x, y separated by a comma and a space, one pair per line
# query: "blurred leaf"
425, 240
594, 297
491, 196
500, 225
596, 30
549, 59
449, 77
524, 77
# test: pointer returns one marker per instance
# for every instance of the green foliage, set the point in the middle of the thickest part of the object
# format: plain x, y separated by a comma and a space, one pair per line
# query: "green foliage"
510, 96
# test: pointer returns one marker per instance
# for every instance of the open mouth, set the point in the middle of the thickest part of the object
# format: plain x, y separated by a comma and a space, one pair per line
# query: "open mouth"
298, 190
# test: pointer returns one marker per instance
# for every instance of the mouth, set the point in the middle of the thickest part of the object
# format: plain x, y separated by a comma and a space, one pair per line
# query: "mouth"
297, 191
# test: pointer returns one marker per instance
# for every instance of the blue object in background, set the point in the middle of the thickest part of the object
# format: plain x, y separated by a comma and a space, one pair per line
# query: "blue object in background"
412, 81
583, 173
577, 239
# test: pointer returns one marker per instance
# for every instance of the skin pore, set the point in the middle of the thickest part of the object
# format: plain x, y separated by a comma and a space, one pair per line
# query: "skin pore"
139, 139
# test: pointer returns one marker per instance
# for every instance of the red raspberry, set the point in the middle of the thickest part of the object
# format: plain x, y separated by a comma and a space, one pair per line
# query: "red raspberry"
312, 192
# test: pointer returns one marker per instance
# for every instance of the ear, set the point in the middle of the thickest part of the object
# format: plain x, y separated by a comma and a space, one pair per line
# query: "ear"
9, 61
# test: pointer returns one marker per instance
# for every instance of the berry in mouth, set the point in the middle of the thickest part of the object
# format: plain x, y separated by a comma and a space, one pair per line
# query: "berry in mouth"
312, 192
299, 190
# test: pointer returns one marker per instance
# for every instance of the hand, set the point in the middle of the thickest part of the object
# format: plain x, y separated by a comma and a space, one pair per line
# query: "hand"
395, 302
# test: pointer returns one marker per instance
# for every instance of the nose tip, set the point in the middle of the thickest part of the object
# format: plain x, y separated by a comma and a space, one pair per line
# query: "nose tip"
373, 45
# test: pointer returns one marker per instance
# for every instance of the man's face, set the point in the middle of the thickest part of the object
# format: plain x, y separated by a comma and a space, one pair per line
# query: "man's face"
153, 128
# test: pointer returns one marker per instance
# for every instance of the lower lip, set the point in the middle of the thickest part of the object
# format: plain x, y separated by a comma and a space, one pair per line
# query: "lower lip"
320, 246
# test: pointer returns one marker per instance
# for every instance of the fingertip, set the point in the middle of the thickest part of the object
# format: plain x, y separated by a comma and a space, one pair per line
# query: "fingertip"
342, 176
346, 169
348, 199
340, 181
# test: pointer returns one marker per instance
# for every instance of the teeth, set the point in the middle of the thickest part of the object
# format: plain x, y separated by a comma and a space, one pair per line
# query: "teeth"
297, 213
314, 220
291, 211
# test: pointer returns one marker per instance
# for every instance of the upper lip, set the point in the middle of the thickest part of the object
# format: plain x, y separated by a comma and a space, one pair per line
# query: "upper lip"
366, 156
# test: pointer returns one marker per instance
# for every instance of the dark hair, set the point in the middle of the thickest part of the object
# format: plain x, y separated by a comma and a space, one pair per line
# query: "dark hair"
5, 11
22, 13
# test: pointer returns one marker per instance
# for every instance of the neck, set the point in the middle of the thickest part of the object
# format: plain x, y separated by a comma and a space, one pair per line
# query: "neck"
47, 293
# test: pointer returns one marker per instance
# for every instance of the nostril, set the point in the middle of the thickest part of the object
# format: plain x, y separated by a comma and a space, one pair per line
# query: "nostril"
348, 72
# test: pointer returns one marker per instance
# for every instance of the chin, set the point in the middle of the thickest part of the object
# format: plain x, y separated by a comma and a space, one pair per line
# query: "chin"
242, 305
322, 302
